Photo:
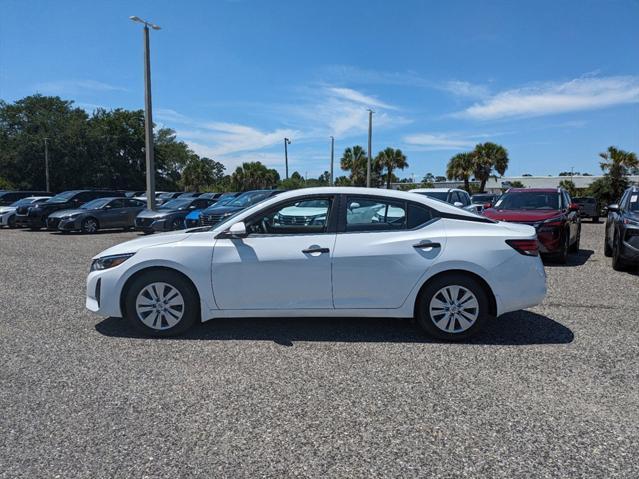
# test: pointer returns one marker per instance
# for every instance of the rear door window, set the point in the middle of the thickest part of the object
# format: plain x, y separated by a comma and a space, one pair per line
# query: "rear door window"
372, 214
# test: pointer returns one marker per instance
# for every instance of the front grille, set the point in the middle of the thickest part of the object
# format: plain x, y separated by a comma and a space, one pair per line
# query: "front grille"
22, 210
52, 223
210, 220
295, 220
143, 222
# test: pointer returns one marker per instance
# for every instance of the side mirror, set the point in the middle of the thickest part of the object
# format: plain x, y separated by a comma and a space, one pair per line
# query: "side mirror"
613, 207
353, 206
488, 205
458, 204
237, 230
573, 207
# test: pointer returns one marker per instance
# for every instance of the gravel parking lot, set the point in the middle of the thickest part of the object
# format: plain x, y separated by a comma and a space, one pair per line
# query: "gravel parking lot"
548, 392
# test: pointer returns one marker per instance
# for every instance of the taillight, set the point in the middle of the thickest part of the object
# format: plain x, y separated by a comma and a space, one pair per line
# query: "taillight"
527, 247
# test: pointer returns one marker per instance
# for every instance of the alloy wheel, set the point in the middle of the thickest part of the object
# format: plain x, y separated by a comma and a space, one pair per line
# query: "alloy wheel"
159, 306
90, 225
454, 309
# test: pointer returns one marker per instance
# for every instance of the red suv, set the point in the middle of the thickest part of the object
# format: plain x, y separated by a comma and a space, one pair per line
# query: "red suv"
549, 210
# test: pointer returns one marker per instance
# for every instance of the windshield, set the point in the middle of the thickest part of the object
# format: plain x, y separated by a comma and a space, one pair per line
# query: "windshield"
249, 198
177, 204
479, 199
223, 201
165, 196
23, 201
438, 195
62, 197
534, 200
95, 204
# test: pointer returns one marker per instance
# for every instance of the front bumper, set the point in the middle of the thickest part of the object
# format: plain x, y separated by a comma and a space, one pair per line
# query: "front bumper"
30, 221
4, 218
69, 224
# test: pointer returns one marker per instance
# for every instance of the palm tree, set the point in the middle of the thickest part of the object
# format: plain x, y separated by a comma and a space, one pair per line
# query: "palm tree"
488, 157
616, 165
355, 160
461, 167
254, 176
390, 159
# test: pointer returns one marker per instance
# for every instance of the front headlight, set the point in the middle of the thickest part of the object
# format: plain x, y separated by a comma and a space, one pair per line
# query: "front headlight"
107, 262
630, 222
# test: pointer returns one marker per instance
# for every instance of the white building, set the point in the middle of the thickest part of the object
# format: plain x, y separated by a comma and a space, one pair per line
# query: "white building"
497, 184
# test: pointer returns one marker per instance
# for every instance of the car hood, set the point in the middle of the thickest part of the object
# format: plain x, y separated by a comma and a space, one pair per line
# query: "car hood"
61, 213
158, 213
528, 216
222, 210
135, 245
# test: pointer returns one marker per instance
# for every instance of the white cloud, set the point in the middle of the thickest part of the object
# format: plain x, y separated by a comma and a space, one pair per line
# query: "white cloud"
74, 86
438, 141
226, 138
586, 93
464, 88
357, 97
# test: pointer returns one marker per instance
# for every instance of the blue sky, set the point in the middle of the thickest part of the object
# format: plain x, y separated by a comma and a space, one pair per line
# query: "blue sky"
555, 82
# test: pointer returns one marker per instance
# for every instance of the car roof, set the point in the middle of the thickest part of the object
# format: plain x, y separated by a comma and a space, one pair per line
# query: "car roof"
432, 190
533, 190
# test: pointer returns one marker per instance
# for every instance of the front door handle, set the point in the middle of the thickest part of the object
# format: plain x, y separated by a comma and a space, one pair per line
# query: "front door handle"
427, 244
315, 250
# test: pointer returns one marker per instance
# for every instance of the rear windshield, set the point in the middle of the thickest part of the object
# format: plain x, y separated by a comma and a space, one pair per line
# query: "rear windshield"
533, 200
438, 195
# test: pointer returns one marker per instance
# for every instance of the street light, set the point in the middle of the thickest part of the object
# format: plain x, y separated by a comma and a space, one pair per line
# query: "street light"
286, 143
370, 147
331, 181
148, 115
46, 164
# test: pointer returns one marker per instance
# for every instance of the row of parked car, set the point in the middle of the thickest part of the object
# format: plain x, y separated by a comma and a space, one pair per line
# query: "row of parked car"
551, 211
89, 211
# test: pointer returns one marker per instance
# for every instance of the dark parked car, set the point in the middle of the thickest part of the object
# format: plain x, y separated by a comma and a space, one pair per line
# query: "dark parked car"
103, 213
170, 215
622, 231
484, 199
588, 208
133, 194
167, 196
213, 215
192, 220
190, 194
549, 210
35, 217
9, 197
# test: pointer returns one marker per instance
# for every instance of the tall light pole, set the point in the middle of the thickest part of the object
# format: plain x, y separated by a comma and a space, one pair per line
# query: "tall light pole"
370, 147
148, 116
46, 164
286, 143
331, 180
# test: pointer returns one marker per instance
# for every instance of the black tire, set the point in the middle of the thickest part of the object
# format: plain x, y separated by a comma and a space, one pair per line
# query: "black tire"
11, 223
191, 310
427, 322
89, 225
177, 224
562, 256
618, 264
574, 248
607, 247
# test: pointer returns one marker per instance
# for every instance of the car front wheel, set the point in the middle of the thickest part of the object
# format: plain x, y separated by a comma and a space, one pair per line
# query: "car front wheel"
452, 307
161, 303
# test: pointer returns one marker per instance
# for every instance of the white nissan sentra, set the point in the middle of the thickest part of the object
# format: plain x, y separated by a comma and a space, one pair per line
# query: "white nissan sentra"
326, 252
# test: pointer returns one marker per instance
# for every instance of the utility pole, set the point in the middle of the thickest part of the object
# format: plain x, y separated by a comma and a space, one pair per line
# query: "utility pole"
286, 143
370, 147
331, 180
46, 164
148, 116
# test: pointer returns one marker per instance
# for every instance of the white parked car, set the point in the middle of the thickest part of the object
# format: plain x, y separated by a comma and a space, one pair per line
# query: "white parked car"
454, 196
8, 213
356, 252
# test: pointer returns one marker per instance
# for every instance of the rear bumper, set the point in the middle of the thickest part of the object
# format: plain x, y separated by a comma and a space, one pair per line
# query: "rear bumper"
530, 288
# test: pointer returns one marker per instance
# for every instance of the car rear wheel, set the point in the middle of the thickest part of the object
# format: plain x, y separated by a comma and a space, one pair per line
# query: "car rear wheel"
453, 307
11, 222
161, 303
89, 225
618, 264
595, 219
562, 256
607, 247
574, 248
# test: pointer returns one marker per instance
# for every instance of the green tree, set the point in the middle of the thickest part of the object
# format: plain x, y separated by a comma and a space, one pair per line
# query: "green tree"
569, 186
516, 184
489, 158
254, 176
461, 167
201, 173
390, 159
616, 166
354, 160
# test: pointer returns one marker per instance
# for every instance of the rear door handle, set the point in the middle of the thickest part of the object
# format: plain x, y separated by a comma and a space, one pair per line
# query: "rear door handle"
315, 250
427, 244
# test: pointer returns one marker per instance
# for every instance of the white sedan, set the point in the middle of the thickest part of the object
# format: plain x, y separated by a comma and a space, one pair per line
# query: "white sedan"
366, 253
